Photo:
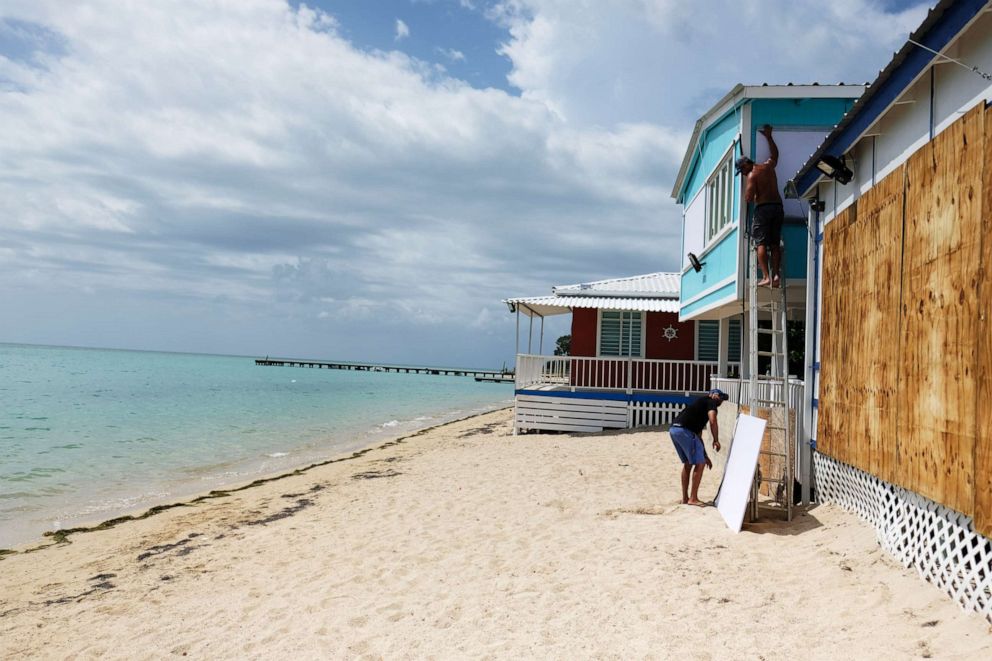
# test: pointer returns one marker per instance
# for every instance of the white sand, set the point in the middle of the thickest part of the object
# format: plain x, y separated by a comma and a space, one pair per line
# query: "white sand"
469, 542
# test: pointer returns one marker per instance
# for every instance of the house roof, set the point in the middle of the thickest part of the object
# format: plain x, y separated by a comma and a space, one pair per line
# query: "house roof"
738, 94
944, 22
651, 292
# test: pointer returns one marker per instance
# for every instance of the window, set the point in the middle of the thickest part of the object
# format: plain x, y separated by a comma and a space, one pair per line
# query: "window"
708, 339
620, 333
720, 198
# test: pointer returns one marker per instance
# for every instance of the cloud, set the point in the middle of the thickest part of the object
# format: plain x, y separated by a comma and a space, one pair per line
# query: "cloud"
402, 30
216, 175
648, 60
452, 54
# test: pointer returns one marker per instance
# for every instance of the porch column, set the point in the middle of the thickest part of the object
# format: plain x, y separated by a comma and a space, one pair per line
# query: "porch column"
723, 346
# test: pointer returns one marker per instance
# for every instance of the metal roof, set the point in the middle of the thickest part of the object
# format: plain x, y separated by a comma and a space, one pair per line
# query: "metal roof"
649, 285
739, 93
651, 292
546, 306
944, 22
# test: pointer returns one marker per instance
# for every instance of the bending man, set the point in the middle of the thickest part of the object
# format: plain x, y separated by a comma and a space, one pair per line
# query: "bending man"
766, 226
686, 433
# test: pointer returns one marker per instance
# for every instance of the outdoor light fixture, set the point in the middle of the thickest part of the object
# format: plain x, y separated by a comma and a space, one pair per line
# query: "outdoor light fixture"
790, 190
697, 265
835, 168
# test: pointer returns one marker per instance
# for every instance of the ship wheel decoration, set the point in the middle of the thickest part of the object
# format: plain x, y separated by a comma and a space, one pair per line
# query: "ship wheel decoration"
671, 333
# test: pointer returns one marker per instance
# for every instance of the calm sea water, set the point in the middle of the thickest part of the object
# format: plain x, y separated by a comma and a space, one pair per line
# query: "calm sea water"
87, 434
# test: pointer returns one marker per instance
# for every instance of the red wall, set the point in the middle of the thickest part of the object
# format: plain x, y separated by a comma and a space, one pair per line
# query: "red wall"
585, 323
683, 347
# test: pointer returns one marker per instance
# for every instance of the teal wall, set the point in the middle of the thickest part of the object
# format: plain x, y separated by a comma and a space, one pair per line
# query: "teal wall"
715, 140
796, 112
726, 293
720, 263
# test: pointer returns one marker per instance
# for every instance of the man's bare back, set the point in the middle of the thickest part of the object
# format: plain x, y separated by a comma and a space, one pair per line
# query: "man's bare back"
763, 184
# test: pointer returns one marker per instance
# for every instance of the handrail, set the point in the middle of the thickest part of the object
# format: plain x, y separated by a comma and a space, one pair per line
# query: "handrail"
620, 374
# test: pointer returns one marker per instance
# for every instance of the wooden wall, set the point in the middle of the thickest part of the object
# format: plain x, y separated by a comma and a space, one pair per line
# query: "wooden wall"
905, 350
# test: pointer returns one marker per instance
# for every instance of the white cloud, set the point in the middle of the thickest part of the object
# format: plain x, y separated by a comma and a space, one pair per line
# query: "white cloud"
402, 30
452, 54
239, 168
666, 60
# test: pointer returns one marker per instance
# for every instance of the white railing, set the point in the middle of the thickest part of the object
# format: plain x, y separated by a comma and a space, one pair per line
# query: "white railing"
739, 391
615, 374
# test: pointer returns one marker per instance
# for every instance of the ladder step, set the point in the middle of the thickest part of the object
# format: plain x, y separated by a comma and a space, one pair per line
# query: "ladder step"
777, 402
769, 331
771, 354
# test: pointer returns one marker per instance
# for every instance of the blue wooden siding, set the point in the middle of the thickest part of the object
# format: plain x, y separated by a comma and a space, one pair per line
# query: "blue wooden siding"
713, 143
823, 113
725, 294
721, 263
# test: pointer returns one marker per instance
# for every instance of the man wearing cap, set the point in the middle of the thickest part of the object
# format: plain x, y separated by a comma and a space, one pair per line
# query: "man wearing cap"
686, 433
768, 216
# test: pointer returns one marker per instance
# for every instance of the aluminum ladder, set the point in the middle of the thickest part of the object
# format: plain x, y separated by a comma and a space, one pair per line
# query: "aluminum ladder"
769, 393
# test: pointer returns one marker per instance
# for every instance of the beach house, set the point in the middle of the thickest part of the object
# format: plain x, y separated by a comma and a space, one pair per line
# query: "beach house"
632, 361
899, 340
714, 238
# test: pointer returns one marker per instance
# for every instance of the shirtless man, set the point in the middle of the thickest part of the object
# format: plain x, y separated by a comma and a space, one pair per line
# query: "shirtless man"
766, 226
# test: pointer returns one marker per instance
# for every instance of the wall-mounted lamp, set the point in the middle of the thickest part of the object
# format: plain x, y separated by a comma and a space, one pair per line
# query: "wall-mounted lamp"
818, 205
697, 265
835, 168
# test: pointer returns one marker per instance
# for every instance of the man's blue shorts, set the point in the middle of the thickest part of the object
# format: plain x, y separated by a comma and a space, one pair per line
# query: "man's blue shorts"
688, 445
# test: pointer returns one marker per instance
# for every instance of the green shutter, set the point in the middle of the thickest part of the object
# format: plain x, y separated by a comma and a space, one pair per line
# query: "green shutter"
709, 340
734, 345
620, 334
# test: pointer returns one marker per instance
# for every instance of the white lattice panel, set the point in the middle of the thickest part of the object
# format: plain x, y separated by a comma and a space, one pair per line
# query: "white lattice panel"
940, 543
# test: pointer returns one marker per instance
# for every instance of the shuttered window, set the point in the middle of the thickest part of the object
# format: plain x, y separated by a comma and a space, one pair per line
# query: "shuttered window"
708, 334
719, 198
620, 333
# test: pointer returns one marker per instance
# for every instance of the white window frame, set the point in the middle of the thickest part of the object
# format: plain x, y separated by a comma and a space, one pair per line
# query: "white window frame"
599, 332
720, 197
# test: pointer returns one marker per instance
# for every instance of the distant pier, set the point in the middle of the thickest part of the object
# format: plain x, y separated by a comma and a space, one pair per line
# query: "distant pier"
480, 375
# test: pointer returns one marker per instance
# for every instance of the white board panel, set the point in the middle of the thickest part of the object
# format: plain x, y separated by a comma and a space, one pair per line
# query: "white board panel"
794, 149
694, 227
738, 475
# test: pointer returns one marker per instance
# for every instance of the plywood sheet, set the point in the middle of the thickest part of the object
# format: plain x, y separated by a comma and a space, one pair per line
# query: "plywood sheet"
937, 383
873, 328
834, 352
983, 362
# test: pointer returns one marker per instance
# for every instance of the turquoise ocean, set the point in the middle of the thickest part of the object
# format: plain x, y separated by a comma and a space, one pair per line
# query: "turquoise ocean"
89, 434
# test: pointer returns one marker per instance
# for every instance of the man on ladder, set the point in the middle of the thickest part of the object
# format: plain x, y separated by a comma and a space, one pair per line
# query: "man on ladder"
766, 228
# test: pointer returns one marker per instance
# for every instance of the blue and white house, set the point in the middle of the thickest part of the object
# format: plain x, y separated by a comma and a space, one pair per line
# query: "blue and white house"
711, 194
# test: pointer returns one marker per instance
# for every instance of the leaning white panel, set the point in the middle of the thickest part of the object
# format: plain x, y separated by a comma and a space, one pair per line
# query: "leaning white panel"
731, 501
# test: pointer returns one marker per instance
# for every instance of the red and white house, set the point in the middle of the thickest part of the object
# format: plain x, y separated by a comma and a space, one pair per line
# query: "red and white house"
632, 361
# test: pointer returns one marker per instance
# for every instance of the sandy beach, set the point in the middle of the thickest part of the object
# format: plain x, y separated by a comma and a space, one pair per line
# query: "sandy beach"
464, 542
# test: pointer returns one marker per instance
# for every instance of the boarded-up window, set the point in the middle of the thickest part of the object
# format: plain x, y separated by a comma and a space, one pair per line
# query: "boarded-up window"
620, 333
708, 333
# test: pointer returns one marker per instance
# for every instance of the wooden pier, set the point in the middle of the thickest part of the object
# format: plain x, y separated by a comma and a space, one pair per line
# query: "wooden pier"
480, 375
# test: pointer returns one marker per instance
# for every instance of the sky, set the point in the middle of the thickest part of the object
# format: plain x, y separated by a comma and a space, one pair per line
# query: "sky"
364, 179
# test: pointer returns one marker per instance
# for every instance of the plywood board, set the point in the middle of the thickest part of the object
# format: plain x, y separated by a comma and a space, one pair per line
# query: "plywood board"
738, 474
937, 384
983, 353
832, 438
873, 374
